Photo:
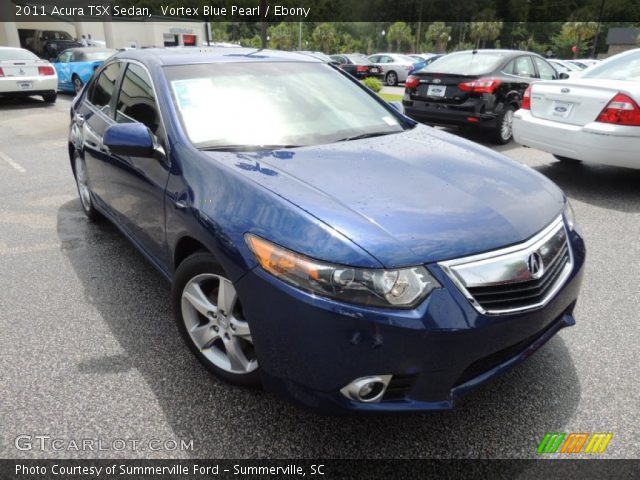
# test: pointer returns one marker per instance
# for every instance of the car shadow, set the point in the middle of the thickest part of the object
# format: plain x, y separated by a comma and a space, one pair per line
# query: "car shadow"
504, 418
8, 103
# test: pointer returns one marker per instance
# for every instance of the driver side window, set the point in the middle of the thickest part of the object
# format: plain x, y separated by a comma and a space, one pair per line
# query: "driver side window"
136, 101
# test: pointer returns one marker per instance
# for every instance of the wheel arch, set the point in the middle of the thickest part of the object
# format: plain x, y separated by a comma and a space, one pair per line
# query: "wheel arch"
185, 247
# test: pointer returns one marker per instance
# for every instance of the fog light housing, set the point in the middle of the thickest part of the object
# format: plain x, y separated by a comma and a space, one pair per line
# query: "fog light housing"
367, 389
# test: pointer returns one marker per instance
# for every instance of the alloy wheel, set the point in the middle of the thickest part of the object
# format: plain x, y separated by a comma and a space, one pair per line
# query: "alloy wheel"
81, 180
507, 125
213, 318
392, 79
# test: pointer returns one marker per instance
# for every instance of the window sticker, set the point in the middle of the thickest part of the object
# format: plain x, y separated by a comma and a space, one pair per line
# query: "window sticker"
190, 93
390, 120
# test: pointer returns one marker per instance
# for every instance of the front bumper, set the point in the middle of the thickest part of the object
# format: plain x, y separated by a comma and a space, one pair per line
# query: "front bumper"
595, 142
310, 347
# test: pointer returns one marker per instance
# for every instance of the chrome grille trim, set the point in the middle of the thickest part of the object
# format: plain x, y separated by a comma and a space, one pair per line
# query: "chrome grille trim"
502, 276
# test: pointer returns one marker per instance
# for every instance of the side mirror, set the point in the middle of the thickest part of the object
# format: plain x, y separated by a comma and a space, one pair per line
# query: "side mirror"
563, 75
397, 105
129, 139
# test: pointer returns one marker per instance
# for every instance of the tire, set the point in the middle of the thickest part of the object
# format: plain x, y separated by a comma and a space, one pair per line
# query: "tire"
77, 84
391, 79
503, 133
80, 173
50, 98
210, 319
567, 160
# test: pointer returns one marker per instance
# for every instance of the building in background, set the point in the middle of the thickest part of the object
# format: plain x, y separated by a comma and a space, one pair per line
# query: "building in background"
153, 33
622, 39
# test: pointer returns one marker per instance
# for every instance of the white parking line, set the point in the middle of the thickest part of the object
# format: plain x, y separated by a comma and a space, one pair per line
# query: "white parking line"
12, 162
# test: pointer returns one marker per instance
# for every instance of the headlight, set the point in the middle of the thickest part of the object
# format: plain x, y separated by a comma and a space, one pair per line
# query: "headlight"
402, 288
569, 216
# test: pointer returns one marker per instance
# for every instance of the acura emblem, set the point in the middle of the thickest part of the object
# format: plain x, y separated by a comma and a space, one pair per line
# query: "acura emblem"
535, 265
565, 90
437, 80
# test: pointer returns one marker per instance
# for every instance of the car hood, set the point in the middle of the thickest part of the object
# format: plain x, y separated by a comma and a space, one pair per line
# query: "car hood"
419, 196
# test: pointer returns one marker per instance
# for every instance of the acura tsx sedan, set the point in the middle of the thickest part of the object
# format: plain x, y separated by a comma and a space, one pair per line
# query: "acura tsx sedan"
319, 242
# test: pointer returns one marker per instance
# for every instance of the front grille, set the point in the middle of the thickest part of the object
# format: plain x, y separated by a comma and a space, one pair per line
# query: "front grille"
516, 278
519, 295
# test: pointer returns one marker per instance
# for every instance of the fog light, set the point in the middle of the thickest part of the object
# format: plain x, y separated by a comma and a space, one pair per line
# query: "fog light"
367, 389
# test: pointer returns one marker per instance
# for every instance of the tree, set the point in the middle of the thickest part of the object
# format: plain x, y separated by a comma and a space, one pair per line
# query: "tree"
485, 27
399, 34
438, 34
579, 32
283, 36
325, 37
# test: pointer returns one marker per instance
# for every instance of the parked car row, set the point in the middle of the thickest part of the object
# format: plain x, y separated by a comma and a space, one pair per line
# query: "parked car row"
22, 73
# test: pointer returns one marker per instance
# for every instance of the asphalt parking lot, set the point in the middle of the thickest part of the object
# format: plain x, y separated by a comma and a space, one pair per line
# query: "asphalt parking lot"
89, 348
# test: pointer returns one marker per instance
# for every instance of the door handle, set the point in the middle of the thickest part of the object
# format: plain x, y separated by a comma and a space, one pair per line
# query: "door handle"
180, 204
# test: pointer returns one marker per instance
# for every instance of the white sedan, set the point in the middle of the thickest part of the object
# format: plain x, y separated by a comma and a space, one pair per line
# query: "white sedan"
592, 118
23, 74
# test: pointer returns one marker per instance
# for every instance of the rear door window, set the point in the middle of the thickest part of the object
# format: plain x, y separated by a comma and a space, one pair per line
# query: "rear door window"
523, 67
545, 70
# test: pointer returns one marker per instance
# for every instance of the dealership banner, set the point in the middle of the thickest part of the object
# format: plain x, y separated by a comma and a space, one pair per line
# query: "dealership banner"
320, 10
315, 469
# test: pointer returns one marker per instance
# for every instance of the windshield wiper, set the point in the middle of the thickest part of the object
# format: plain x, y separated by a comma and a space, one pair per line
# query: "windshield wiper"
364, 135
246, 148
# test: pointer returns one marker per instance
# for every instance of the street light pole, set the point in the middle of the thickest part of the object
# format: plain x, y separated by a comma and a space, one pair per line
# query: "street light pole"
595, 40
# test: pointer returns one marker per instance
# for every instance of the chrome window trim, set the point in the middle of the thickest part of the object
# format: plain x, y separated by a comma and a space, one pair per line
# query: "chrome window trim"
530, 245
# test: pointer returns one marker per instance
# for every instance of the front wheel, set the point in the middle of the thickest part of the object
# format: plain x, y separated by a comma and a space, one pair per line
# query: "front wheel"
391, 79
80, 171
211, 320
504, 131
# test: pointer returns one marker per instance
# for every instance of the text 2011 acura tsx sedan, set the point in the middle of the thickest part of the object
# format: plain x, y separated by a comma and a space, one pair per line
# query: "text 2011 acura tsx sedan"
317, 240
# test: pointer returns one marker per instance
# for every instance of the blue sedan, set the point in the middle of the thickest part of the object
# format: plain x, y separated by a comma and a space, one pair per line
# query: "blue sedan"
319, 242
76, 65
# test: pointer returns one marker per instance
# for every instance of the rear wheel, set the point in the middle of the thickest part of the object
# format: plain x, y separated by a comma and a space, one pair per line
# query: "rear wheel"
50, 98
211, 320
77, 84
504, 130
391, 79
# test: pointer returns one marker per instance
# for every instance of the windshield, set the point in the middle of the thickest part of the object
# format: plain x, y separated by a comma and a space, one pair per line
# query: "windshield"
359, 59
93, 56
16, 54
466, 63
624, 67
273, 104
406, 58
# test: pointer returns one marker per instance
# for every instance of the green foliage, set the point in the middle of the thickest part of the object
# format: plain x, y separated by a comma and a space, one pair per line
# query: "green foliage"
400, 37
373, 83
325, 37
438, 35
283, 36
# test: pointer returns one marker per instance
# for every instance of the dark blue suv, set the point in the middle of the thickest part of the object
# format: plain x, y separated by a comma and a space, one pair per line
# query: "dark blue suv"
317, 240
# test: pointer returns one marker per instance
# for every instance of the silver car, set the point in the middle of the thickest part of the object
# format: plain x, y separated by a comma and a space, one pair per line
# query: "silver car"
395, 67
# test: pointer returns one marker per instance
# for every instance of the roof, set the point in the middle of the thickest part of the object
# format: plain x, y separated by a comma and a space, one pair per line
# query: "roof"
622, 36
195, 55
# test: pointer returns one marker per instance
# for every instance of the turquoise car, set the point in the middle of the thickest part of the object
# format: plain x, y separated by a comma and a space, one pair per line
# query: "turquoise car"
76, 65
